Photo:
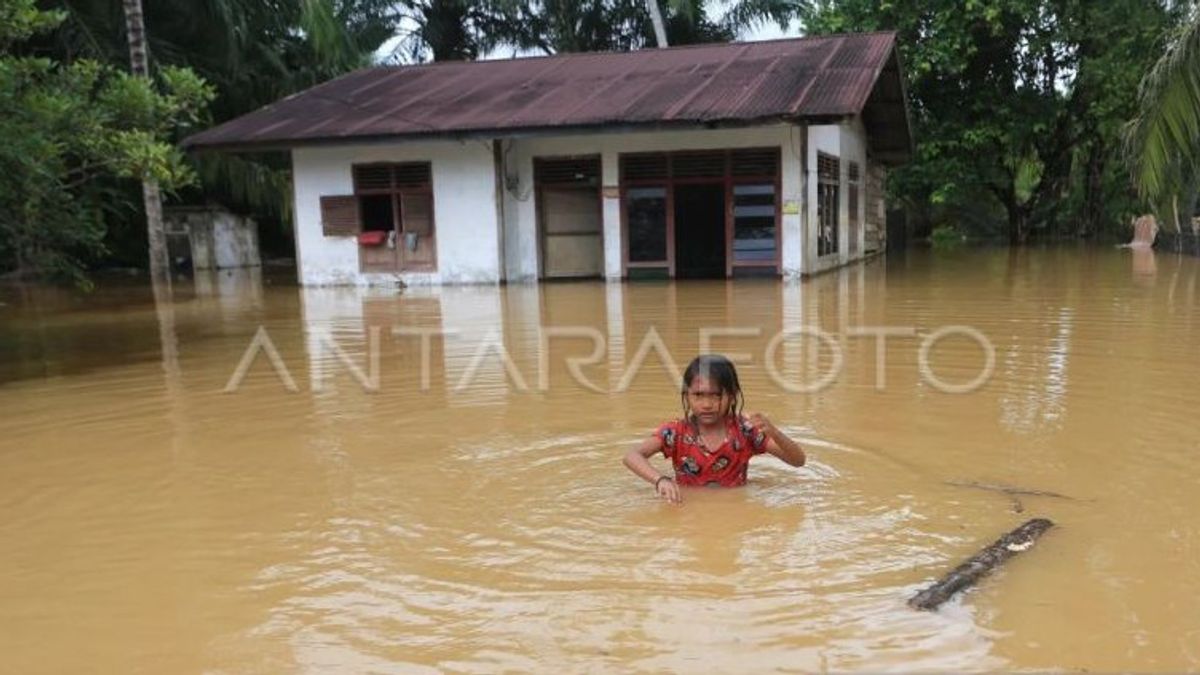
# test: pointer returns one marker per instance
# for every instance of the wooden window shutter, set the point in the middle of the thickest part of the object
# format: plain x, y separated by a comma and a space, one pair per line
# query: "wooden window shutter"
372, 177
643, 166
376, 178
756, 162
698, 164
339, 215
828, 168
567, 171
413, 174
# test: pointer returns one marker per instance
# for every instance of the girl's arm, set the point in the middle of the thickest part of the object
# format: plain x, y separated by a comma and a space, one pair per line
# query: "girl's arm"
778, 443
638, 461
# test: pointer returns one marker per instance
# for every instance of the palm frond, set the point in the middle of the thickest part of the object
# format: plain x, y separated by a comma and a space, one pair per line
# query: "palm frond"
246, 183
1162, 143
328, 35
742, 15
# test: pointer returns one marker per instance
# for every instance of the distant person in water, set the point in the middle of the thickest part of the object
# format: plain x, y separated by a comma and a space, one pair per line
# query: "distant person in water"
714, 440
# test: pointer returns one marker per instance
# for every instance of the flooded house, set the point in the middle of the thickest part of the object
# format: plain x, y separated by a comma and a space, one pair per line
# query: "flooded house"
724, 160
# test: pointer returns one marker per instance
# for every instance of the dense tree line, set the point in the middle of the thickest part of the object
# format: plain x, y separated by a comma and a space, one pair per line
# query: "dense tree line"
1020, 107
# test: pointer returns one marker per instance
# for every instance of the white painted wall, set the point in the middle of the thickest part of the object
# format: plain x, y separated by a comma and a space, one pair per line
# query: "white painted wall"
847, 142
468, 232
854, 149
471, 246
521, 243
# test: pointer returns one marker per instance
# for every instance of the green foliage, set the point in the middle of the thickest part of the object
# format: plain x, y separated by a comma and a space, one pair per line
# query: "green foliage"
1017, 104
554, 26
1163, 139
946, 237
747, 14
328, 37
21, 20
251, 52
450, 30
68, 129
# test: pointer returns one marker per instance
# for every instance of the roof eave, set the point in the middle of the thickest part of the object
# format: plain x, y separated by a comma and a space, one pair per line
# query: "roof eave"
276, 145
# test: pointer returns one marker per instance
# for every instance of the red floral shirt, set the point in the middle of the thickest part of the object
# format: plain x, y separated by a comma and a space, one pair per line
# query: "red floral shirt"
724, 466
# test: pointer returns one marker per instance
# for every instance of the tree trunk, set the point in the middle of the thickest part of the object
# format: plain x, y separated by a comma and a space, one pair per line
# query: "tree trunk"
660, 30
19, 255
1093, 191
135, 29
445, 31
1017, 218
160, 264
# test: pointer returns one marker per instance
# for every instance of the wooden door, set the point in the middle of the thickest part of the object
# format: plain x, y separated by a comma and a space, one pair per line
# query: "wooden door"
572, 232
415, 243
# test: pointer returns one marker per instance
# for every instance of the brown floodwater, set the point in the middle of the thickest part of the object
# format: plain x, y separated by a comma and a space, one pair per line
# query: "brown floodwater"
359, 498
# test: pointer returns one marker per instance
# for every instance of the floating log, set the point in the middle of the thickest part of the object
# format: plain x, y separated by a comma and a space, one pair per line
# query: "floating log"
980, 564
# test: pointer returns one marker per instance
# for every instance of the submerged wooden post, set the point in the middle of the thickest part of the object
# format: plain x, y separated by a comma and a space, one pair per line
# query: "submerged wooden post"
980, 564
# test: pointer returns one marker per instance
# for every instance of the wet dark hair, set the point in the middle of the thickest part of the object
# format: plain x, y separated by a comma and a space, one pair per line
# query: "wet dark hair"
721, 371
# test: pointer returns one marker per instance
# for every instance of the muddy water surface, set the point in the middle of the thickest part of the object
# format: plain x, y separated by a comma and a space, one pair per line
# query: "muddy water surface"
360, 498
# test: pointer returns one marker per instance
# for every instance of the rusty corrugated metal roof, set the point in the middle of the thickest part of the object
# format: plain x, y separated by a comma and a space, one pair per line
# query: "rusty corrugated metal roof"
814, 78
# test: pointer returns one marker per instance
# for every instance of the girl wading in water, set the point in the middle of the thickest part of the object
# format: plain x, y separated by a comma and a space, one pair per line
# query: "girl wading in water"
713, 442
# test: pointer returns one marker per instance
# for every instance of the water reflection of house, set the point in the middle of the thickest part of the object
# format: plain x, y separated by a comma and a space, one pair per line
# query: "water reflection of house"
738, 159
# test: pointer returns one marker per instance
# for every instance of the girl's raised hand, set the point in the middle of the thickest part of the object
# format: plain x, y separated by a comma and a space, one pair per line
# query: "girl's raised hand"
760, 422
668, 490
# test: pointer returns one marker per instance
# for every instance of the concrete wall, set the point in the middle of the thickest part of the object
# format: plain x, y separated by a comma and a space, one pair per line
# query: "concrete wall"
465, 215
875, 222
520, 215
235, 241
215, 238
847, 142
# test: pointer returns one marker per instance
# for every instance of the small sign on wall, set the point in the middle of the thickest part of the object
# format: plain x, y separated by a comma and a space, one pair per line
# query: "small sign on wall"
612, 192
791, 207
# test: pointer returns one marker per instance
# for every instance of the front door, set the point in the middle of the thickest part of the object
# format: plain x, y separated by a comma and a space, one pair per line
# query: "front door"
572, 233
570, 229
700, 231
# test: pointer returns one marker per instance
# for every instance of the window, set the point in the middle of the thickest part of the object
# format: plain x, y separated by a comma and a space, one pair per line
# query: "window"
646, 211
339, 215
828, 178
646, 223
397, 199
753, 223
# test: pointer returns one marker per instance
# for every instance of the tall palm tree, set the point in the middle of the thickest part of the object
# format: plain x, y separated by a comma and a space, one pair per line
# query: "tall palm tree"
1163, 141
135, 29
160, 263
449, 30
